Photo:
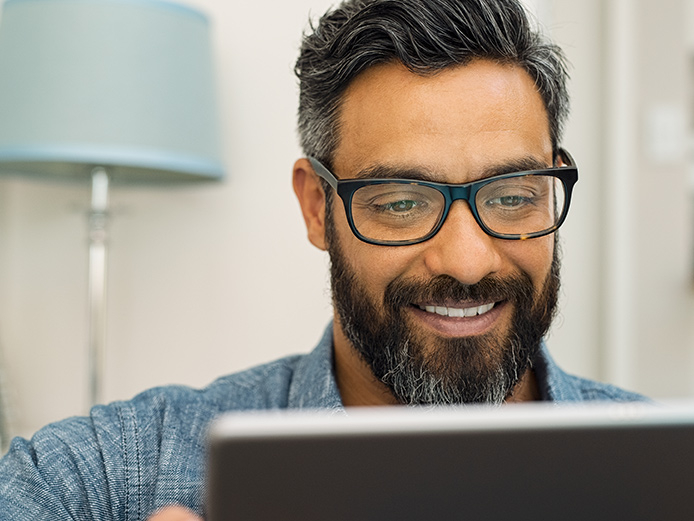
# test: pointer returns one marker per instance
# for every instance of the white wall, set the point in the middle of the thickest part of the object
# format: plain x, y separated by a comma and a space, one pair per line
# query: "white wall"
628, 270
210, 279
662, 228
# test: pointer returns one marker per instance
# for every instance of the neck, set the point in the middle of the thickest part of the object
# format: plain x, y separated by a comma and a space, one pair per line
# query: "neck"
357, 384
526, 390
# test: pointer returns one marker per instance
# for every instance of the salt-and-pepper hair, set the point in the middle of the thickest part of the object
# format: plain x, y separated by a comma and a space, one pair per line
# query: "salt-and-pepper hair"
426, 36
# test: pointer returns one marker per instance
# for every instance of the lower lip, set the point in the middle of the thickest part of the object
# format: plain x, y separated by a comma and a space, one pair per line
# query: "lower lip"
460, 326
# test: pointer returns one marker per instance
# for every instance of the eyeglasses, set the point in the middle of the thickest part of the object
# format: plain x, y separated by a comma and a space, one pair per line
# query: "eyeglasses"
399, 212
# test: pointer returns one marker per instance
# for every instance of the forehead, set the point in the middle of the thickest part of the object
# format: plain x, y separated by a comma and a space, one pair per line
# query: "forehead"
458, 122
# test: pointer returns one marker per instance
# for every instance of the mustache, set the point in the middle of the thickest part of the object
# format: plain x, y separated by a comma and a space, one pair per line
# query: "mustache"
402, 292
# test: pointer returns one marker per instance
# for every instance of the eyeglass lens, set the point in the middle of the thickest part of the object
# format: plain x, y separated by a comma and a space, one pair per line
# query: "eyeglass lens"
519, 205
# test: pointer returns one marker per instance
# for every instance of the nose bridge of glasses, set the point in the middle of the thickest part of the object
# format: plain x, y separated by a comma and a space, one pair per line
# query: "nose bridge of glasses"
463, 193
459, 192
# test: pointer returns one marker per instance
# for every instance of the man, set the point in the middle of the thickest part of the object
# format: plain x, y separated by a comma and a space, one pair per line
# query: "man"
435, 179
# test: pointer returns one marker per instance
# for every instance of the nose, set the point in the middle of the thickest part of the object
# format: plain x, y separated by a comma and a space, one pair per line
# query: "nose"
461, 249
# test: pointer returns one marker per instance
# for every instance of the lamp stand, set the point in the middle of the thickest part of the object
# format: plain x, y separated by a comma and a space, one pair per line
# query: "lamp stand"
98, 250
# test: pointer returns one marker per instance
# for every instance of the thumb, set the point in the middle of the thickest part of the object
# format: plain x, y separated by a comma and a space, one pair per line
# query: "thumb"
174, 513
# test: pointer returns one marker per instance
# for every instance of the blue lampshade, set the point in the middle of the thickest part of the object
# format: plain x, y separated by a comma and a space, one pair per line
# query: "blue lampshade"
123, 84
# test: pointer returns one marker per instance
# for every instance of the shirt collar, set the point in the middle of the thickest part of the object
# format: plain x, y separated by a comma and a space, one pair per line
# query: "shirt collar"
313, 385
555, 385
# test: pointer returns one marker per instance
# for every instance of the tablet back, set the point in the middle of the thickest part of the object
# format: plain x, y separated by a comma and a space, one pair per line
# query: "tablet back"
627, 461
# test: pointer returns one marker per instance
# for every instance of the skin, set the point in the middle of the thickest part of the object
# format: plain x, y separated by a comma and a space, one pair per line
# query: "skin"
462, 124
175, 513
393, 117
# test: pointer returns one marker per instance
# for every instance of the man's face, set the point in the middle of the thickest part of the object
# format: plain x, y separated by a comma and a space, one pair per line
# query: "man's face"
398, 307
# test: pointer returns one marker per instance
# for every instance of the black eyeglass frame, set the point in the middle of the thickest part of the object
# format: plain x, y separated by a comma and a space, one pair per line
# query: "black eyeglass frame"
345, 188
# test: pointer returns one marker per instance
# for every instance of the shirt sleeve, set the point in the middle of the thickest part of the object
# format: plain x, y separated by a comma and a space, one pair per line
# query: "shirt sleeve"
59, 475
121, 463
128, 459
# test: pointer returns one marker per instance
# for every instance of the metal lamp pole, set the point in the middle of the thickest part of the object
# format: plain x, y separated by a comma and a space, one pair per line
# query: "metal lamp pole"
98, 250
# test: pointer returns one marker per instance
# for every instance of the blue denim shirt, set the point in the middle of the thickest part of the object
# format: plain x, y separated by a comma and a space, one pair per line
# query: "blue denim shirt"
130, 458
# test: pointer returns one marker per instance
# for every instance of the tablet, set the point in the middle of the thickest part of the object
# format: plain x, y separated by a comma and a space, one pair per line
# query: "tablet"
630, 461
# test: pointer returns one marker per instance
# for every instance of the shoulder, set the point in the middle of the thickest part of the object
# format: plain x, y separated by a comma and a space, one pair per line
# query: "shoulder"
558, 386
591, 390
159, 421
182, 408
261, 387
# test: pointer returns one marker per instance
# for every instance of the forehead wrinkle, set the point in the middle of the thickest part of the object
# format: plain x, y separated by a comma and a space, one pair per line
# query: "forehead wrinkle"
395, 172
419, 173
522, 164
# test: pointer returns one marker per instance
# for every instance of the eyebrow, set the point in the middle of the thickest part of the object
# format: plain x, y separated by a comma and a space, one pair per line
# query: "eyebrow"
528, 163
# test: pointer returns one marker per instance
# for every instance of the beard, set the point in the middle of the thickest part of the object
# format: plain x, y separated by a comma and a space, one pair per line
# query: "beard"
424, 369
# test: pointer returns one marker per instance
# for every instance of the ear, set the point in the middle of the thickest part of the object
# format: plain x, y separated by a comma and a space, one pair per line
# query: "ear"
559, 161
309, 192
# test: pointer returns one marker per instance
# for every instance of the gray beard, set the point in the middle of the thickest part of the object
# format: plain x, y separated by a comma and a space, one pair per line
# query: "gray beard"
414, 384
478, 369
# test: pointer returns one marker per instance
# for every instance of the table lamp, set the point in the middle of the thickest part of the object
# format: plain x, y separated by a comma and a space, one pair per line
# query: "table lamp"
107, 92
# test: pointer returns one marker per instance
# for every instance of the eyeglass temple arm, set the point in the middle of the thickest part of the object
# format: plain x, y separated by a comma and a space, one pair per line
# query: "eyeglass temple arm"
566, 157
323, 172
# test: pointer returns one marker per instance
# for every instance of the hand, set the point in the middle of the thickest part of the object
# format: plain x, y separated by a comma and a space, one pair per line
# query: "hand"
174, 513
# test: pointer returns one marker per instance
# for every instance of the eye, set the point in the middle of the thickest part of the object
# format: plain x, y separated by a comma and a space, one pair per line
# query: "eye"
508, 201
401, 206
393, 199
380, 208
513, 194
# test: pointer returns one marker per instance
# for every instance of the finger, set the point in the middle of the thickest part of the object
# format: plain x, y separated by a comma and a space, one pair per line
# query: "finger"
174, 513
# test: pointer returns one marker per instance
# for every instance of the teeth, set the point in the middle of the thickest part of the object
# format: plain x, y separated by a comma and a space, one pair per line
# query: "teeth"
455, 312
485, 308
458, 312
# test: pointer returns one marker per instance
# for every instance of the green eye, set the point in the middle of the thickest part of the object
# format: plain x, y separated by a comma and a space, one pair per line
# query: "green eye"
400, 206
508, 201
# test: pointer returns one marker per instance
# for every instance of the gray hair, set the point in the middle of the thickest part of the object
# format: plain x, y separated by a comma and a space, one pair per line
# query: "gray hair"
426, 36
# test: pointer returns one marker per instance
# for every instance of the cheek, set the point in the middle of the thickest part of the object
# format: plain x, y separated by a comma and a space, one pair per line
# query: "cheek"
377, 266
533, 257
374, 266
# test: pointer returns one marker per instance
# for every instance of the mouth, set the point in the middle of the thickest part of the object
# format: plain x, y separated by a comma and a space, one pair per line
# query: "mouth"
458, 312
460, 319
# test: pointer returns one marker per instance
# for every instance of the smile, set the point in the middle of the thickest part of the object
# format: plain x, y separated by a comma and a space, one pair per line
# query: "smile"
458, 312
